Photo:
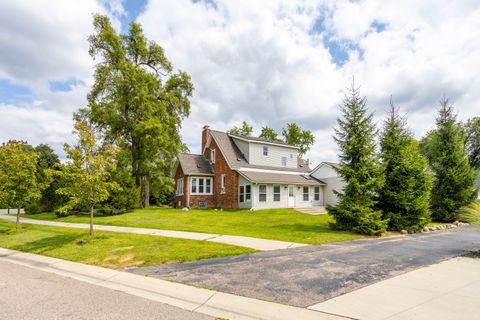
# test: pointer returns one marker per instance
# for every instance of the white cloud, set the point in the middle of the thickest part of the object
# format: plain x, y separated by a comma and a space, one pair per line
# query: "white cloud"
256, 60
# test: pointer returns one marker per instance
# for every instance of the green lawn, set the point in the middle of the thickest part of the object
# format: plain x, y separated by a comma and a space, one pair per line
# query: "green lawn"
277, 224
109, 249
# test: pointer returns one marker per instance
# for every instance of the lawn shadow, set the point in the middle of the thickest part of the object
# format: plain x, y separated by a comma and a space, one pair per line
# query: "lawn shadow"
47, 244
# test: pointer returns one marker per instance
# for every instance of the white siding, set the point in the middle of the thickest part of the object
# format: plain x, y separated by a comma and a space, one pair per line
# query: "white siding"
274, 158
330, 176
243, 147
330, 198
270, 203
243, 182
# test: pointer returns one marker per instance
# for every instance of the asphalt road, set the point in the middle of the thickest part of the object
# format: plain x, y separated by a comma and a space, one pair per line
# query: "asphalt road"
308, 275
31, 294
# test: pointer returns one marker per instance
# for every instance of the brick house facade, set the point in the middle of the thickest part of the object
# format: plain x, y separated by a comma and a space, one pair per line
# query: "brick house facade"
243, 172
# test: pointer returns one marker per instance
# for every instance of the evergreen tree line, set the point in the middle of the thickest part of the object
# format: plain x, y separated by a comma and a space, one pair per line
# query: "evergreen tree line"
402, 183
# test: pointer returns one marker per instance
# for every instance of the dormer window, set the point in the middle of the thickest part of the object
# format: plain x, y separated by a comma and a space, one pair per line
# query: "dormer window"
265, 151
212, 156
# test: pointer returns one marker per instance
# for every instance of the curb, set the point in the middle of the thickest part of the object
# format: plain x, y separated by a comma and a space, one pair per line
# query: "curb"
209, 302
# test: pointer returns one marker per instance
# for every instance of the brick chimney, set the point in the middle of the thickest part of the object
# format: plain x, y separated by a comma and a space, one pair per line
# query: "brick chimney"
205, 134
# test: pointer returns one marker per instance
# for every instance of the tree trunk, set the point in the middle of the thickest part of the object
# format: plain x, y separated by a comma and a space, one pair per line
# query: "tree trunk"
8, 210
146, 192
91, 220
18, 218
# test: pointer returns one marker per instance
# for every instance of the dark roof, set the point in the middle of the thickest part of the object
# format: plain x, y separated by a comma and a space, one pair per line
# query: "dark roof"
236, 159
261, 139
283, 178
195, 164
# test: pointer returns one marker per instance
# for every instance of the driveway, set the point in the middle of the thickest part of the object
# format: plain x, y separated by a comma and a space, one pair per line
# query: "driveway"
308, 275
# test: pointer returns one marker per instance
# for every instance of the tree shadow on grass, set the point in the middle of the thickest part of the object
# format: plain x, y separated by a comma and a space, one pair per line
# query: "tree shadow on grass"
49, 243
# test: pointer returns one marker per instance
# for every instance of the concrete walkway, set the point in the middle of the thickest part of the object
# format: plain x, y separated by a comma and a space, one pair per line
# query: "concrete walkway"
209, 302
248, 242
448, 290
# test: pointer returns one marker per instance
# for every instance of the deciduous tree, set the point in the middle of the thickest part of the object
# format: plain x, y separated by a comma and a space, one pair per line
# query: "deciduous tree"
86, 174
269, 133
244, 130
137, 101
18, 176
294, 135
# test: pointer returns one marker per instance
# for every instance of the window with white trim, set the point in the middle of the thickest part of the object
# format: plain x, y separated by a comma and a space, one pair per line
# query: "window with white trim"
276, 193
180, 187
212, 155
262, 193
223, 183
201, 185
265, 151
316, 193
305, 193
284, 161
248, 193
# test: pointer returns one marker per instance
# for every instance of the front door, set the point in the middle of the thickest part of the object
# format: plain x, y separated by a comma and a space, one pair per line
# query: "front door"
291, 197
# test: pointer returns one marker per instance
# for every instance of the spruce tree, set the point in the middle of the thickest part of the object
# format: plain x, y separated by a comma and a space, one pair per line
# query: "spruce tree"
359, 169
453, 176
405, 196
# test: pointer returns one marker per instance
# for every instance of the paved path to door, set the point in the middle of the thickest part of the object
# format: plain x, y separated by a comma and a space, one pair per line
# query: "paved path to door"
248, 242
309, 275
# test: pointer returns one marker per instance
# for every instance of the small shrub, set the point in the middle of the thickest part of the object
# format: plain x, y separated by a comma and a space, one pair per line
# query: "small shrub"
33, 208
470, 213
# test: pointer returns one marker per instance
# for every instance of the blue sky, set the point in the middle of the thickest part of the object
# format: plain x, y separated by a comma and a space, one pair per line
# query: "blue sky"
268, 62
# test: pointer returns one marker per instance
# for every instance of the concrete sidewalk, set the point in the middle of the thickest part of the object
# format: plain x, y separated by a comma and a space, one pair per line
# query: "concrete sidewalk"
248, 242
448, 290
209, 302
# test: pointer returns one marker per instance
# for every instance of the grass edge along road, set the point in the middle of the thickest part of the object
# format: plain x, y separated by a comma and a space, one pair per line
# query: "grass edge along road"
274, 224
110, 249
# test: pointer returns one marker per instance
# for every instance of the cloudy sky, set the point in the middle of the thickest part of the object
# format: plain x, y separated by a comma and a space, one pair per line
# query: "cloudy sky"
267, 62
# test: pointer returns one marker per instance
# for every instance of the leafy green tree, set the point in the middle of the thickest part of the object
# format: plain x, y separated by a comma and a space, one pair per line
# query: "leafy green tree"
294, 135
244, 130
87, 174
47, 160
269, 133
18, 176
472, 128
405, 196
359, 169
453, 176
137, 101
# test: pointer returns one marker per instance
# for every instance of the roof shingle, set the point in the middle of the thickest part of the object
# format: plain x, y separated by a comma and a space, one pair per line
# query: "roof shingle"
195, 164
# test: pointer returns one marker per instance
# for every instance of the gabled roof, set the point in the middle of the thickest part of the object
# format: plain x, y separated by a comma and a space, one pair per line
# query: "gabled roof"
236, 160
268, 177
330, 164
195, 164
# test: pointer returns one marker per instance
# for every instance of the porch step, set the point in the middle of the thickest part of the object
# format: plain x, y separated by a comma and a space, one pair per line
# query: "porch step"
312, 210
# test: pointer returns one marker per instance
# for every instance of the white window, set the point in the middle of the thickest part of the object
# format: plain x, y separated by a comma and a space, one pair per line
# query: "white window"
284, 161
316, 193
212, 155
276, 193
223, 183
291, 155
262, 193
201, 186
305, 193
180, 187
265, 151
241, 194
248, 193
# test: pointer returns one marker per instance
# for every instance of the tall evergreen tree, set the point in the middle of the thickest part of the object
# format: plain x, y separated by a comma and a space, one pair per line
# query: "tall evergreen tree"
453, 176
359, 169
137, 101
405, 196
